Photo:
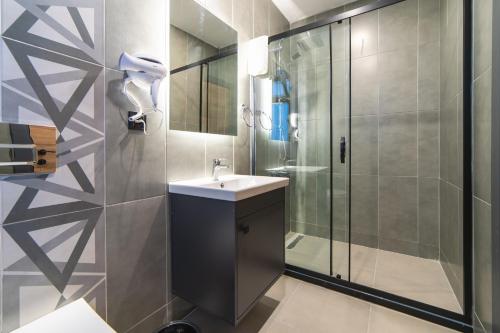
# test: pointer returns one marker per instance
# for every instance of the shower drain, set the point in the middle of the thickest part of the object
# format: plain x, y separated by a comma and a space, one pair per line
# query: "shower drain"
294, 242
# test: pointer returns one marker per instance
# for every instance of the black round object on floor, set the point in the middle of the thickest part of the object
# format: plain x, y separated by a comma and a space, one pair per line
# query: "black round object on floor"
178, 327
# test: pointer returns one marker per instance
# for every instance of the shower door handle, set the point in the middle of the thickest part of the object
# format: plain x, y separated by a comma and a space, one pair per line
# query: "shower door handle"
342, 149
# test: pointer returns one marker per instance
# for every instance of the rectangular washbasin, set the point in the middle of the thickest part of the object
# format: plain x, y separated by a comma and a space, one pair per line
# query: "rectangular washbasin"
229, 188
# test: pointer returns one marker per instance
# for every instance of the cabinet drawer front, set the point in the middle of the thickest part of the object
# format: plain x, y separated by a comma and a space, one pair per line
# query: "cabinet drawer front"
260, 253
255, 204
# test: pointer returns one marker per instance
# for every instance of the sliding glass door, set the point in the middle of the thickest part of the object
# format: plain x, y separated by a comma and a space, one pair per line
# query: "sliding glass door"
365, 116
301, 128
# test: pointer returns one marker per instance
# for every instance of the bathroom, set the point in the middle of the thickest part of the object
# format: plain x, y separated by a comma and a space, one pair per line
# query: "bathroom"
363, 134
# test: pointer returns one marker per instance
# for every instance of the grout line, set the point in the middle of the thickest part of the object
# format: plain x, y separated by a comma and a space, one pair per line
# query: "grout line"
480, 322
482, 201
97, 64
146, 318
452, 291
418, 125
190, 312
379, 113
104, 172
137, 200
439, 141
368, 327
51, 216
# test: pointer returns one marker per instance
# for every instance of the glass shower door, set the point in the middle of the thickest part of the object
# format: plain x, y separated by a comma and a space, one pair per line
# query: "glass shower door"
293, 117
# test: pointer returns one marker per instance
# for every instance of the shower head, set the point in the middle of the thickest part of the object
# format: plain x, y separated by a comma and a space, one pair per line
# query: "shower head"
306, 44
303, 46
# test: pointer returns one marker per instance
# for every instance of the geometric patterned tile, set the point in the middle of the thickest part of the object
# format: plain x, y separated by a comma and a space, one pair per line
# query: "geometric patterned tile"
28, 297
61, 257
53, 226
73, 27
78, 182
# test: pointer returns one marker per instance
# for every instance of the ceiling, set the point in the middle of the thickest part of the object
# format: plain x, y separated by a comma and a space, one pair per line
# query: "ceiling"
296, 10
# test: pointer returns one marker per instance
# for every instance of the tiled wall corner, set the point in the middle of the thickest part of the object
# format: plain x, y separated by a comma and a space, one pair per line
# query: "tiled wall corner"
450, 144
482, 110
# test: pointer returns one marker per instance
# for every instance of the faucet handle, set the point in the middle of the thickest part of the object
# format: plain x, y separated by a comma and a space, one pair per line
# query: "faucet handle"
219, 161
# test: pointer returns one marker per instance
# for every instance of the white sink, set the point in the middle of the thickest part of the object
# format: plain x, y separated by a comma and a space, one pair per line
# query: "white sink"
229, 188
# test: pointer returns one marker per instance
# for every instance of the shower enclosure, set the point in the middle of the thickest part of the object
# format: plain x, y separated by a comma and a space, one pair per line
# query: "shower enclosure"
365, 115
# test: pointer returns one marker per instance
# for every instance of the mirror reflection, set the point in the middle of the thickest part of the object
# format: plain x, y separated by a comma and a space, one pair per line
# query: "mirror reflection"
203, 71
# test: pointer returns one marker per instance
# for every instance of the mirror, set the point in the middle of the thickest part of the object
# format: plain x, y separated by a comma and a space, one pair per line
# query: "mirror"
203, 71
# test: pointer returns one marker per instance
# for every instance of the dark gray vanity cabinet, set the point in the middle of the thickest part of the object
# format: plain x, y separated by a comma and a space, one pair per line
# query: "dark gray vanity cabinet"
226, 254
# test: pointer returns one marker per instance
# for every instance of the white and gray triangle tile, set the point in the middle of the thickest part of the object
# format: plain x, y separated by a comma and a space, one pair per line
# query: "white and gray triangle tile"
53, 226
73, 27
81, 132
28, 297
61, 256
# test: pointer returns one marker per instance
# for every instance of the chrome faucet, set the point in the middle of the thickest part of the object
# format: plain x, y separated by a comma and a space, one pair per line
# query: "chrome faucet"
218, 163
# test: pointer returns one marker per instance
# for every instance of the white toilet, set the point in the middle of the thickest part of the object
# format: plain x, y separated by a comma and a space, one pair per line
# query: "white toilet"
77, 317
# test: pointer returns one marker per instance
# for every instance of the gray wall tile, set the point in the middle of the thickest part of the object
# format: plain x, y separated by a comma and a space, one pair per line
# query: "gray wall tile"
323, 199
145, 33
449, 51
449, 142
401, 72
482, 137
364, 35
303, 187
398, 26
428, 212
398, 208
136, 233
364, 145
365, 86
428, 144
482, 34
428, 77
339, 207
398, 145
398, 80
364, 205
429, 21
482, 263
136, 162
185, 155
450, 224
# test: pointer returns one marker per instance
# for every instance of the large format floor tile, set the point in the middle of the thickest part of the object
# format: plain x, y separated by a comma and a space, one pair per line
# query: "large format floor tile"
293, 306
412, 277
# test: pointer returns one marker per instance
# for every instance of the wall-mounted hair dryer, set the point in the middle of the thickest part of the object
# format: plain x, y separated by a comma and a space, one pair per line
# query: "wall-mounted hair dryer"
143, 71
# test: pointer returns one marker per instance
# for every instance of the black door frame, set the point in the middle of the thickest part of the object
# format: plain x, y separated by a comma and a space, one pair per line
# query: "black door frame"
462, 322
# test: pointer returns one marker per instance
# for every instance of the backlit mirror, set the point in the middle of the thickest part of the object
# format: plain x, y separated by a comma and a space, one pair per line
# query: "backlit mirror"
203, 71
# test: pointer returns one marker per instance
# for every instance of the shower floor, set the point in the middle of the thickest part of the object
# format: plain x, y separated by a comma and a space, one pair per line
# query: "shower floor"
416, 278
